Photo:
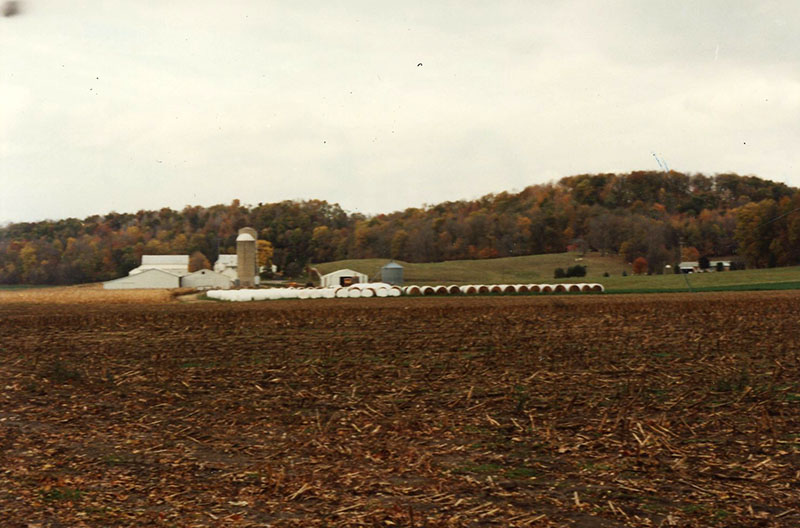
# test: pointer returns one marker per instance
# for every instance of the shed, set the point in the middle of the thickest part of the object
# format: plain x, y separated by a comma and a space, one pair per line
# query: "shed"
392, 273
147, 279
206, 278
342, 277
175, 264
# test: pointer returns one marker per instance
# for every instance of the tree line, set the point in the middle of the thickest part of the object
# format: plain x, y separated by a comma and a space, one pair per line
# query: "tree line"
661, 217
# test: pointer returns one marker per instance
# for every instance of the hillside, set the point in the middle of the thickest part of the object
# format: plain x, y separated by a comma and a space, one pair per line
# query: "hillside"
661, 217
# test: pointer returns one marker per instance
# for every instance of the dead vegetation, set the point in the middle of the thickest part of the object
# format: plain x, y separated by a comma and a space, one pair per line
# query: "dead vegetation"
87, 294
603, 411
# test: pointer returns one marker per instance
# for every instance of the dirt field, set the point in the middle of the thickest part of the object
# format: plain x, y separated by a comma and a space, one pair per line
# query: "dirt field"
675, 410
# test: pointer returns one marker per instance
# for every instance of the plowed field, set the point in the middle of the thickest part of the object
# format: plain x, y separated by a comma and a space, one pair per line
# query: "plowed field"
678, 410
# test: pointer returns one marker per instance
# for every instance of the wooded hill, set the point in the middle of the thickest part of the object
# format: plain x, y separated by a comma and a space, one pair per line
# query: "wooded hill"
653, 215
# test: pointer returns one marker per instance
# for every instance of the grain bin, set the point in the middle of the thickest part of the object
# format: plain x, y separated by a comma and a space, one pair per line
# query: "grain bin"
392, 273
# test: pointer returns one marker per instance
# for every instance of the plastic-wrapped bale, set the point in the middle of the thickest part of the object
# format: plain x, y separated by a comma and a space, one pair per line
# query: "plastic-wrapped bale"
469, 289
496, 288
597, 287
508, 288
342, 293
328, 293
546, 288
395, 291
412, 290
303, 294
483, 289
441, 290
354, 293
453, 290
367, 292
521, 288
573, 288
260, 295
560, 288
534, 288
428, 290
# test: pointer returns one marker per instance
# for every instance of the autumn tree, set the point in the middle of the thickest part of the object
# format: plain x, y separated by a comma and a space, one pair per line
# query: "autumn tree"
264, 252
640, 266
198, 261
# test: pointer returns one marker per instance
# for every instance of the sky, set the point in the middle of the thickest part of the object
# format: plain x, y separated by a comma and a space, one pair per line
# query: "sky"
117, 105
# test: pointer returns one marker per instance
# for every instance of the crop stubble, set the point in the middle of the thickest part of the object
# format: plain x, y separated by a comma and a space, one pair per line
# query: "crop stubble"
675, 410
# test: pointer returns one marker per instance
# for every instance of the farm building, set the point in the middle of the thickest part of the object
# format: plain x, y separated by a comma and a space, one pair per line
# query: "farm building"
392, 273
205, 278
226, 265
150, 278
175, 264
342, 277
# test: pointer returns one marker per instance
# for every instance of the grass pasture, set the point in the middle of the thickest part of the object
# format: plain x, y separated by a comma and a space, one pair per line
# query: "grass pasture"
510, 270
597, 411
540, 269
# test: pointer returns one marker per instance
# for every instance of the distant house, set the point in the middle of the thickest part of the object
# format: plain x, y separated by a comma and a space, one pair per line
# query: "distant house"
342, 277
694, 266
146, 279
206, 279
175, 264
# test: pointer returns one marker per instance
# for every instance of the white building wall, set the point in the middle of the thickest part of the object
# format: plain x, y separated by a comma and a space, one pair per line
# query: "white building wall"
206, 279
149, 279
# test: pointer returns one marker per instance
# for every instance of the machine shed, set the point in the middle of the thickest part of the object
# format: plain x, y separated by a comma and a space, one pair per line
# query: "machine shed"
342, 277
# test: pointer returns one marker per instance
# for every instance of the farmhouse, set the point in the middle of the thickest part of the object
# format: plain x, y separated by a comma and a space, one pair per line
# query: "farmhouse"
149, 278
342, 277
175, 264
693, 266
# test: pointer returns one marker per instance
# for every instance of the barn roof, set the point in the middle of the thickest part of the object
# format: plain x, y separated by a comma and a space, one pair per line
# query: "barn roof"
165, 260
344, 272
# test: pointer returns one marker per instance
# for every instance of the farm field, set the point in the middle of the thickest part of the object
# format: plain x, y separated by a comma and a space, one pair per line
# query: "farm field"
597, 411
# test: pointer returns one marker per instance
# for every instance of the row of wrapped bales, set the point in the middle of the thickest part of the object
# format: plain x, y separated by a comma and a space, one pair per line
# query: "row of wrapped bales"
377, 289
484, 289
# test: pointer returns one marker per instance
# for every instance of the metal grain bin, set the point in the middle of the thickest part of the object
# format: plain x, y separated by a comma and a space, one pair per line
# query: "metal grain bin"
392, 273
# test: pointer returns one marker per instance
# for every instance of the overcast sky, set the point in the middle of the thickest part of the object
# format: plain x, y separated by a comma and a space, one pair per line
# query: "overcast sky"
123, 105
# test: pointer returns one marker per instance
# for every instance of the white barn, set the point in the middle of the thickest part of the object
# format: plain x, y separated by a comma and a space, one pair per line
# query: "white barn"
175, 264
206, 278
227, 265
342, 277
147, 279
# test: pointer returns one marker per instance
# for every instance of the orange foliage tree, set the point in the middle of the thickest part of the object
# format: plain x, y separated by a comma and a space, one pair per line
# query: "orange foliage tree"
640, 266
